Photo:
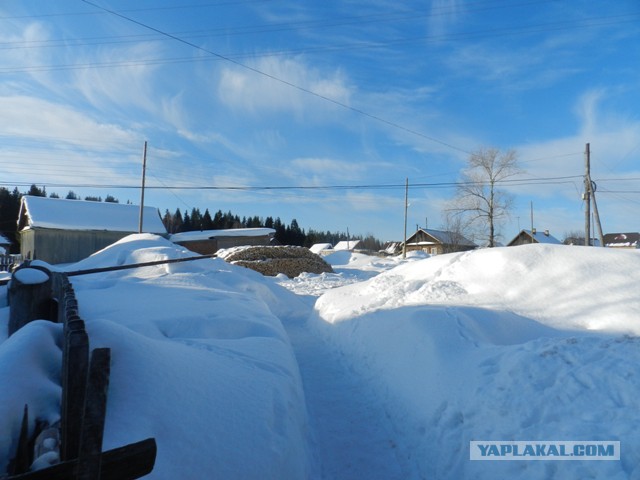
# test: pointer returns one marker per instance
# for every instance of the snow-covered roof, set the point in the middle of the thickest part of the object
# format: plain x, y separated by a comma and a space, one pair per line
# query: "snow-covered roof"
43, 212
4, 240
442, 237
391, 247
622, 240
346, 245
540, 237
319, 247
229, 232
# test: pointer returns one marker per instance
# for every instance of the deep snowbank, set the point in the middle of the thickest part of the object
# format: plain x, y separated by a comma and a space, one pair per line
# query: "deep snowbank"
200, 361
504, 344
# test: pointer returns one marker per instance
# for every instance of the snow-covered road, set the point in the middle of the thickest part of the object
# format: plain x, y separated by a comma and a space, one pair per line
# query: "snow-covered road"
351, 429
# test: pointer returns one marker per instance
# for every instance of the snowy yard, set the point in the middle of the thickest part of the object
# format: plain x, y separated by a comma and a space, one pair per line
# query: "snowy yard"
386, 369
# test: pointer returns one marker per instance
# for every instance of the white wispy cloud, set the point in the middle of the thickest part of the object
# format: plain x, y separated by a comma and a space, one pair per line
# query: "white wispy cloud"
258, 93
443, 14
129, 85
36, 118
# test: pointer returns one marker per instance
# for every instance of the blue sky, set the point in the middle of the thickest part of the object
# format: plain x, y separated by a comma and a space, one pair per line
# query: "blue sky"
238, 97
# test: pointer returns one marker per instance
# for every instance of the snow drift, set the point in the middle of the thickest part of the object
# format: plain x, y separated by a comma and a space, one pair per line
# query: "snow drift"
199, 361
387, 368
526, 343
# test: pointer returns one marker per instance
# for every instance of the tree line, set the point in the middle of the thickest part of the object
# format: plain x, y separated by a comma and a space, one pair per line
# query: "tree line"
194, 220
290, 234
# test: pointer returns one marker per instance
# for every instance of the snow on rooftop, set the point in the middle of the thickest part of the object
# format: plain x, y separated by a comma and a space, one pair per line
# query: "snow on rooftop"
43, 212
543, 237
319, 247
346, 245
229, 232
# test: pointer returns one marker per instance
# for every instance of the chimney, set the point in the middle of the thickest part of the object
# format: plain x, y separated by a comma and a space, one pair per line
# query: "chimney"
546, 232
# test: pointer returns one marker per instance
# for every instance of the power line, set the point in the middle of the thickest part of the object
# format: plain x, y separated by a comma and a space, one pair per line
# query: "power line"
385, 17
505, 183
493, 32
218, 4
280, 80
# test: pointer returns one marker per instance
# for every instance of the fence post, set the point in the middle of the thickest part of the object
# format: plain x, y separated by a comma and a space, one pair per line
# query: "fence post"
75, 365
95, 410
30, 297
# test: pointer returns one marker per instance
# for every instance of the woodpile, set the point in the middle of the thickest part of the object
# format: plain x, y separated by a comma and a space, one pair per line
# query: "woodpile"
271, 261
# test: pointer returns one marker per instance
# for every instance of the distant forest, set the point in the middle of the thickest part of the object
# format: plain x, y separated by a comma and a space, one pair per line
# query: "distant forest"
194, 220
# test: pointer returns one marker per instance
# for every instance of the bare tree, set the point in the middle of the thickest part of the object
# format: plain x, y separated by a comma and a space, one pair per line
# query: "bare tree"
479, 200
454, 226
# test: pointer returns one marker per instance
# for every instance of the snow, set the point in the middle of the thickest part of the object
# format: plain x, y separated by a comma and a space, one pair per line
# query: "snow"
231, 232
385, 369
319, 247
346, 245
541, 237
43, 212
31, 276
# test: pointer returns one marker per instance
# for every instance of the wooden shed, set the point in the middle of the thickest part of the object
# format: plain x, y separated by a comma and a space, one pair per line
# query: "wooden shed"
65, 231
207, 242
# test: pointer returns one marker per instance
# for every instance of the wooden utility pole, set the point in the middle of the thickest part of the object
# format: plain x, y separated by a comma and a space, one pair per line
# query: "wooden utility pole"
590, 196
533, 233
406, 207
587, 196
592, 186
144, 173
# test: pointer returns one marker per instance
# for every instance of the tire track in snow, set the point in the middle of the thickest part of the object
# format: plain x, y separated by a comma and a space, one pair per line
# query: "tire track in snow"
353, 435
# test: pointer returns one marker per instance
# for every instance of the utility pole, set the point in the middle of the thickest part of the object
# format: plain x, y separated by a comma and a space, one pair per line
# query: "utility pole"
533, 231
593, 187
406, 207
587, 196
144, 173
590, 196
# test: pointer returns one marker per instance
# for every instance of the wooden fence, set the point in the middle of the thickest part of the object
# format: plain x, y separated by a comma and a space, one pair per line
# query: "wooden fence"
85, 382
7, 262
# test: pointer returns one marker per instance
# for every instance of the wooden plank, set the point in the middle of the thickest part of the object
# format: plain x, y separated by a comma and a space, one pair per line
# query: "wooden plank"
22, 460
124, 463
75, 367
95, 410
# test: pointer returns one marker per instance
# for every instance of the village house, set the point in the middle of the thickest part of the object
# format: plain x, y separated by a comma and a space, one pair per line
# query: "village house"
349, 245
65, 231
436, 242
622, 240
527, 237
321, 248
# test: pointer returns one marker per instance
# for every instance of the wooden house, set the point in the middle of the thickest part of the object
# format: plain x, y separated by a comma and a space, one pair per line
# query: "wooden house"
436, 242
622, 240
207, 242
65, 231
391, 248
526, 237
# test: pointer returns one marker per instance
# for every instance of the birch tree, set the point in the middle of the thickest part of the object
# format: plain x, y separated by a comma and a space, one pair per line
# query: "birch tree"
481, 201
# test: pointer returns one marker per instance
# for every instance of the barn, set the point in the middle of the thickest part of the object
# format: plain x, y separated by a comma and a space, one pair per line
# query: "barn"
65, 231
210, 241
